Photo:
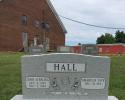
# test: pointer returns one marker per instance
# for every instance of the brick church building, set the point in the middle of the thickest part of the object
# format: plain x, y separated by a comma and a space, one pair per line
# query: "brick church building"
24, 21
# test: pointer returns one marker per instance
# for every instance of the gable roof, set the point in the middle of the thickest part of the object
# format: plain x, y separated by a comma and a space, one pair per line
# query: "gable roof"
57, 16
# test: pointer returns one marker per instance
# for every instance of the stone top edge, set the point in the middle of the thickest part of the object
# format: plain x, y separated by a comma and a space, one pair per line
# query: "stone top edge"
38, 55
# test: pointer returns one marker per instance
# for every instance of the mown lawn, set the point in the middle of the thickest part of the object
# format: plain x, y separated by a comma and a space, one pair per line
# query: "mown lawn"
10, 76
117, 77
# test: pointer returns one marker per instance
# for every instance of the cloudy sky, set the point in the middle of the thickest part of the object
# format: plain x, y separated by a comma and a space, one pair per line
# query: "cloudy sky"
110, 13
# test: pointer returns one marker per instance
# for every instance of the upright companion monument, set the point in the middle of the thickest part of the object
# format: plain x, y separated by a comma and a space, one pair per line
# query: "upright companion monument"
89, 49
65, 77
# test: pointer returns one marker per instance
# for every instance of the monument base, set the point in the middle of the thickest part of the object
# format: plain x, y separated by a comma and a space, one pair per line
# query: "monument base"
20, 97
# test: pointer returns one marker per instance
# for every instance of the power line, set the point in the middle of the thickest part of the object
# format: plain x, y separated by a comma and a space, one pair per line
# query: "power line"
90, 24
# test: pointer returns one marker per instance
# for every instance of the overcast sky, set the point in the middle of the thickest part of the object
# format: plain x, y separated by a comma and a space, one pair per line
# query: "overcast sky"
109, 13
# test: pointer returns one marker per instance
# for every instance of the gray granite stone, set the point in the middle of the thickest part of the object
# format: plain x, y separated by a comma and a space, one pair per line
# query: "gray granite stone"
65, 76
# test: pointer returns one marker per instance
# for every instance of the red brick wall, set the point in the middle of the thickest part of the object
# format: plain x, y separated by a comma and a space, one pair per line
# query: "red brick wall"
11, 28
76, 49
111, 49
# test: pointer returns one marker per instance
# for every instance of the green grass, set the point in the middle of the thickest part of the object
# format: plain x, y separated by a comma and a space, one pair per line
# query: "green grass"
117, 77
10, 76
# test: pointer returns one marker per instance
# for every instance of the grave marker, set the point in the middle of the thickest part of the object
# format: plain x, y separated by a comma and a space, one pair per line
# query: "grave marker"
65, 76
64, 49
89, 49
35, 50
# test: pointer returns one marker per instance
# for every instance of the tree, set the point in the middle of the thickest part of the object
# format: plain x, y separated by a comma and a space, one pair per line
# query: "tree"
106, 39
100, 40
109, 39
79, 44
120, 37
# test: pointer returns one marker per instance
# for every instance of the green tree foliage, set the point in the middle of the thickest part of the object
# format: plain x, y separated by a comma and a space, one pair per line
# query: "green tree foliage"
100, 40
120, 37
105, 39
109, 39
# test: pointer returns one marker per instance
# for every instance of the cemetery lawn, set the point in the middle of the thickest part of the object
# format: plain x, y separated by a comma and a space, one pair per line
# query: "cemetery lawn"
10, 76
117, 77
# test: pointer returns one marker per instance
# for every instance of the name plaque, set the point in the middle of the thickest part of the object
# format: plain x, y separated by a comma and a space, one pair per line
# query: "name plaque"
93, 83
65, 67
37, 82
